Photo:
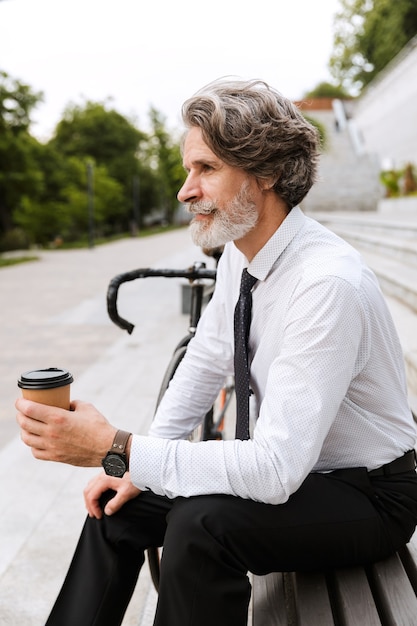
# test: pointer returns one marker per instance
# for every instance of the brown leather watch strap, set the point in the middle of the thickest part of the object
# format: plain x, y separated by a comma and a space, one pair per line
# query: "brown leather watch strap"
120, 442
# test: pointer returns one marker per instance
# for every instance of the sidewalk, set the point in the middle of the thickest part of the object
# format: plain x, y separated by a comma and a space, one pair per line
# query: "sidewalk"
54, 313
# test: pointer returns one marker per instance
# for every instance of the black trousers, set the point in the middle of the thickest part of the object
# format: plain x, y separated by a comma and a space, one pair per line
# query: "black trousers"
211, 542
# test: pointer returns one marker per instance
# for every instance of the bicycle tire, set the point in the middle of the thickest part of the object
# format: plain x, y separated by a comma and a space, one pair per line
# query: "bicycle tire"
154, 557
176, 359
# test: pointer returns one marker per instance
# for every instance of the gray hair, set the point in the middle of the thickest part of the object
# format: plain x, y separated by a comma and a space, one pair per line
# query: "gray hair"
250, 125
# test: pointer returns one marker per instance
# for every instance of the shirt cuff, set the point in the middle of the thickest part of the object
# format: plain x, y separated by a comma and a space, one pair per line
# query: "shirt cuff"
145, 463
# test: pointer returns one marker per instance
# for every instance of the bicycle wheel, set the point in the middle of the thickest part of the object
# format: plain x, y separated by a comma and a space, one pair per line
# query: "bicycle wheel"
214, 421
154, 556
170, 371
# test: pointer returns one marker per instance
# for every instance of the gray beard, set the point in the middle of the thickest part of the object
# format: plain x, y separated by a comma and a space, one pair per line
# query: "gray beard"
231, 223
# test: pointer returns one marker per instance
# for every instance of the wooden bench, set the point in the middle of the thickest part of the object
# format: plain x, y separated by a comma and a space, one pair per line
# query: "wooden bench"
384, 594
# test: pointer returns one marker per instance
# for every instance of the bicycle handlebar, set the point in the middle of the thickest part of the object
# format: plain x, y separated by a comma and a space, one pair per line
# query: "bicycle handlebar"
197, 271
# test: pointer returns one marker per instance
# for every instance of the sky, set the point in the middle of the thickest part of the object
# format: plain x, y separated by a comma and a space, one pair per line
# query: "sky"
137, 54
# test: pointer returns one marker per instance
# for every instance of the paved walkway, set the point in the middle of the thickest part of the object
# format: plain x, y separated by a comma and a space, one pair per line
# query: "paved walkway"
53, 313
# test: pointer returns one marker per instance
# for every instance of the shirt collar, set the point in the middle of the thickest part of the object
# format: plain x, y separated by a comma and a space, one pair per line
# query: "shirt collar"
262, 263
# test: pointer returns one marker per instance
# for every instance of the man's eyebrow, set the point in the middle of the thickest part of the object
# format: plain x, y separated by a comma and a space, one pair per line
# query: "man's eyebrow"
201, 162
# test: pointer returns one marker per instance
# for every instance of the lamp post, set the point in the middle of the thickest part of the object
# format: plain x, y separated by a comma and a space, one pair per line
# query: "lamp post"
136, 204
90, 197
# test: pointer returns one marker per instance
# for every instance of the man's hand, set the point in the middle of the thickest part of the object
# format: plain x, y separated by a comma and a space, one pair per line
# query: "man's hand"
81, 436
100, 484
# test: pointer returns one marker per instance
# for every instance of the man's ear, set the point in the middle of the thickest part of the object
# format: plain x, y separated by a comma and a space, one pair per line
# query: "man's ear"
266, 184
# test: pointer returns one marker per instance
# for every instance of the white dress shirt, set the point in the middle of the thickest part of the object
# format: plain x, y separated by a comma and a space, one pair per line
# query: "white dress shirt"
327, 373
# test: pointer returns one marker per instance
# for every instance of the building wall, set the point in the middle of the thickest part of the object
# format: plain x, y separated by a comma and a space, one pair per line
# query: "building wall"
386, 113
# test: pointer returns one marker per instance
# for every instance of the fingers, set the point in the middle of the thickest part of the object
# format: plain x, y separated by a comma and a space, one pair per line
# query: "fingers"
33, 417
38, 424
79, 404
94, 490
80, 436
116, 503
123, 488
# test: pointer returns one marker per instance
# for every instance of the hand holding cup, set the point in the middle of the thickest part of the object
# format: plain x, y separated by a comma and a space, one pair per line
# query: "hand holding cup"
80, 436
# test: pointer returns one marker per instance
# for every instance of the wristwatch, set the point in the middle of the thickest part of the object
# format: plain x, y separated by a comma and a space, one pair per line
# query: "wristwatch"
115, 462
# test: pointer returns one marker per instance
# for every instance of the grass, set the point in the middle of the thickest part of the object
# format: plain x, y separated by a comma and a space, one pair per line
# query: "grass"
6, 261
143, 232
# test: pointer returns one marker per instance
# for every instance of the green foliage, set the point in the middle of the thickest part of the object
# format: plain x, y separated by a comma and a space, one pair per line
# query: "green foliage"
400, 182
368, 35
6, 261
14, 239
17, 100
102, 134
19, 172
61, 210
327, 90
391, 181
321, 130
44, 192
165, 154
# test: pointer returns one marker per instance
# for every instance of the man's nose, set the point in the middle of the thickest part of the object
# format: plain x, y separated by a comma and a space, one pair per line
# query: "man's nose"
190, 191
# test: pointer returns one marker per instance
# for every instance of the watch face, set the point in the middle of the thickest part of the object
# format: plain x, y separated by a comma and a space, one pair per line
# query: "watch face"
114, 465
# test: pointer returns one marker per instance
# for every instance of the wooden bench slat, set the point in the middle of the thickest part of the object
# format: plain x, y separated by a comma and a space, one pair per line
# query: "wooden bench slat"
408, 557
383, 594
313, 603
288, 599
353, 597
394, 593
269, 608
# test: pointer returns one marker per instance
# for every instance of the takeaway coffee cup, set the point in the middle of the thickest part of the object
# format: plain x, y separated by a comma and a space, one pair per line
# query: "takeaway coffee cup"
48, 386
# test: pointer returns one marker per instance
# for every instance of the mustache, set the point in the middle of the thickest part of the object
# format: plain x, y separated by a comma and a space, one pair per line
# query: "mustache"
201, 207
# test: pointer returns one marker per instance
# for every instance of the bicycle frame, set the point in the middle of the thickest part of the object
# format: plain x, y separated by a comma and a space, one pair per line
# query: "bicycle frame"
212, 425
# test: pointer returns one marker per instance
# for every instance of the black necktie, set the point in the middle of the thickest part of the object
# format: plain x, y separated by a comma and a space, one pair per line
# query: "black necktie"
242, 323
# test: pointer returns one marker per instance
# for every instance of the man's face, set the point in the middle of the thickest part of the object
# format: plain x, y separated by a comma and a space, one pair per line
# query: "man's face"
218, 195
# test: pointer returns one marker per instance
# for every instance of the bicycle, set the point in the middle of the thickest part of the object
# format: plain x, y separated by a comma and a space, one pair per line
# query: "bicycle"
212, 427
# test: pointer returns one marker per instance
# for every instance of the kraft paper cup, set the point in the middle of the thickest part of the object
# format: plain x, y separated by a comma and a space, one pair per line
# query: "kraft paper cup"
48, 386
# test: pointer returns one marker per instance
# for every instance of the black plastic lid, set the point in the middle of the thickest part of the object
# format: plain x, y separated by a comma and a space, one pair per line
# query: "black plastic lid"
45, 379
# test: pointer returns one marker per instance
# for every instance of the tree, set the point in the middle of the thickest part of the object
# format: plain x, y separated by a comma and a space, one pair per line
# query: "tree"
19, 172
59, 210
112, 141
327, 90
43, 187
387, 28
165, 155
368, 35
17, 100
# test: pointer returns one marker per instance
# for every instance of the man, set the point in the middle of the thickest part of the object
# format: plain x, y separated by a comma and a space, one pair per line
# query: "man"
327, 477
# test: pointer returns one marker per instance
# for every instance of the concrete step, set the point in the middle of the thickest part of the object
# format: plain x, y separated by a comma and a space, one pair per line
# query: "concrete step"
404, 250
389, 247
397, 279
406, 323
402, 226
399, 284
347, 181
392, 257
